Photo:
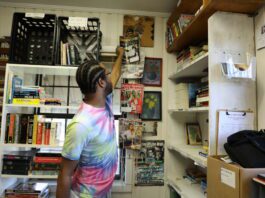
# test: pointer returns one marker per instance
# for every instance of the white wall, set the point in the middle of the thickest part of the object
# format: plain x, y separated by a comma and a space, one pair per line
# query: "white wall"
259, 21
111, 27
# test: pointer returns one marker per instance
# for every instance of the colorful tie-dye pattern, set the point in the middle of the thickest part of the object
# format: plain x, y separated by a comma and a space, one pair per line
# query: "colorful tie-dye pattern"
90, 138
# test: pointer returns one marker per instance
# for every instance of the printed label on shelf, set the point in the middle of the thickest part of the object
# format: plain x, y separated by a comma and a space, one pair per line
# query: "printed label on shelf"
35, 15
228, 177
77, 22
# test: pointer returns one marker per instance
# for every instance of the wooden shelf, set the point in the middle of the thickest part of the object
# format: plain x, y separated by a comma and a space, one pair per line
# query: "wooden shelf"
191, 152
30, 176
197, 31
185, 189
191, 110
192, 69
41, 106
4, 51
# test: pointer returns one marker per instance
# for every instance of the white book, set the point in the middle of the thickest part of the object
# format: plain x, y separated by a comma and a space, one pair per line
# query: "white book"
202, 99
53, 133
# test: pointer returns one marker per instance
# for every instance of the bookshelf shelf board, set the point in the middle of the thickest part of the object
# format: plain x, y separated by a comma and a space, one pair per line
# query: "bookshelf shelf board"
41, 69
192, 110
197, 30
4, 145
191, 152
30, 176
41, 106
192, 69
185, 188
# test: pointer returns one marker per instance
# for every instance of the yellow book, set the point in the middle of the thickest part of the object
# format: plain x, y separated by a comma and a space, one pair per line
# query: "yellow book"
35, 129
25, 101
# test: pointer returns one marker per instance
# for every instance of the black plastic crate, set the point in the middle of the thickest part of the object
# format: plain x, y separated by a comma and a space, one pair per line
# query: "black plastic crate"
33, 39
77, 44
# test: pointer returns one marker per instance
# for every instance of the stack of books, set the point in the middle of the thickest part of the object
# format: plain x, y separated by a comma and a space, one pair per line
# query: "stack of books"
69, 54
46, 162
186, 95
202, 96
17, 162
28, 190
32, 129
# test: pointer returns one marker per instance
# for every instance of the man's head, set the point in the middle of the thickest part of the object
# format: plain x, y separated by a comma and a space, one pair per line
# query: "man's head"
92, 77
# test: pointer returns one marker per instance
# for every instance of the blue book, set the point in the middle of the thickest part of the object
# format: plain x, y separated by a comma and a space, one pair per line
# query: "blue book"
17, 83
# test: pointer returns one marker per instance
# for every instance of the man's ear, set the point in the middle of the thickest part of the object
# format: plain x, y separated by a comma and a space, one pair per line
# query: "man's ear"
101, 83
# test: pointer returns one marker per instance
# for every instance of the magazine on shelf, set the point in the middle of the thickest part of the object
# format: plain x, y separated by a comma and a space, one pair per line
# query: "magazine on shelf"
130, 133
132, 98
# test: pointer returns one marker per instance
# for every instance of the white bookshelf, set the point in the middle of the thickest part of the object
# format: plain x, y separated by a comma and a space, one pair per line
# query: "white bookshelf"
30, 176
193, 109
42, 69
41, 106
10, 145
194, 68
191, 152
186, 189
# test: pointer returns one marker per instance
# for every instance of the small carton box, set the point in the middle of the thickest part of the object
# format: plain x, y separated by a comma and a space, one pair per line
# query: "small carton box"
230, 180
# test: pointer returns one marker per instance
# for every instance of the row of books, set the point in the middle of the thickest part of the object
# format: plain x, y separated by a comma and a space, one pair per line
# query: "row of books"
190, 54
192, 94
69, 54
45, 162
28, 190
32, 129
177, 27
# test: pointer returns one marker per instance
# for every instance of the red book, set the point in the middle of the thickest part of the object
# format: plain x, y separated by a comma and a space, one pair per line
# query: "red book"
39, 133
54, 160
47, 133
11, 128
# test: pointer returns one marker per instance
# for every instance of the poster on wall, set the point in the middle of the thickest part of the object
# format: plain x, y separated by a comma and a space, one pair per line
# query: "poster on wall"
150, 164
144, 26
130, 135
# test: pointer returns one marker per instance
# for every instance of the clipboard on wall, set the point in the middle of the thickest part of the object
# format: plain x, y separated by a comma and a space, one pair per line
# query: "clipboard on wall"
230, 122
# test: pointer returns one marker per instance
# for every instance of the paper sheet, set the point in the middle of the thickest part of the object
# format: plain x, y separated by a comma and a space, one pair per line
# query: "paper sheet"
231, 122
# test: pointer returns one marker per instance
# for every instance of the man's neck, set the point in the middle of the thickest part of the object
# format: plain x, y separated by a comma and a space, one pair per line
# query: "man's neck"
95, 100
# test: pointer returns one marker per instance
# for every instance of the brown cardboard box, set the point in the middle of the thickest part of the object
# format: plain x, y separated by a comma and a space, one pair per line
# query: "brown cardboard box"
230, 180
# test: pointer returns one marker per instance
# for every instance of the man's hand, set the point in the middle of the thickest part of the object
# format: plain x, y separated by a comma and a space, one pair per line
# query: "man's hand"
119, 51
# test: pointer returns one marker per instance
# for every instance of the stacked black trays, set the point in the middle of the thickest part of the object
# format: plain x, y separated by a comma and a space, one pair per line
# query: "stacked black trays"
33, 39
84, 43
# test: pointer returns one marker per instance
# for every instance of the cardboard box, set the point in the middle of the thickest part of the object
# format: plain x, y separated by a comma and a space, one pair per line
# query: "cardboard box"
230, 180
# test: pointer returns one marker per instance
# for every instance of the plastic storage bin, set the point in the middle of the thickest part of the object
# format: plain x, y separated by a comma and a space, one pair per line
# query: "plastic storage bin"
33, 39
77, 41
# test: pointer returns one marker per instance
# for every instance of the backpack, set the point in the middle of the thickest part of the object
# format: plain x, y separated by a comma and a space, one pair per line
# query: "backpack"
247, 148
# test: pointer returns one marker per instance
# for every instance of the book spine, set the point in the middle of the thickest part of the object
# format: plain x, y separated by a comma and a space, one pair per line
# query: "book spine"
39, 133
26, 101
24, 128
30, 129
43, 132
11, 128
35, 129
53, 133
47, 133
7, 127
17, 129
68, 54
72, 54
48, 160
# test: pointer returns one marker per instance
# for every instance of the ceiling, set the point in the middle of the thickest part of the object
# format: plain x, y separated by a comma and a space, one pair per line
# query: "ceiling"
165, 6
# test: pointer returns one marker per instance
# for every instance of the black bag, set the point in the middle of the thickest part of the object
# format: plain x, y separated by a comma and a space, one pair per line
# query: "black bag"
247, 148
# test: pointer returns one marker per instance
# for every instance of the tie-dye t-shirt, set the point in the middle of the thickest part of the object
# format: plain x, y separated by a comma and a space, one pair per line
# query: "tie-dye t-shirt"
90, 138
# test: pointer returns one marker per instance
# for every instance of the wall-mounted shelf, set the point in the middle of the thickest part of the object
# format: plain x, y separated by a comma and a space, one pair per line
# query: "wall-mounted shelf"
193, 69
191, 152
192, 110
197, 31
186, 189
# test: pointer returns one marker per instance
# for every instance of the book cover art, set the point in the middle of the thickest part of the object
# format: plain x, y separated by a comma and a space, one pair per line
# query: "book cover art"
130, 133
133, 71
132, 98
131, 47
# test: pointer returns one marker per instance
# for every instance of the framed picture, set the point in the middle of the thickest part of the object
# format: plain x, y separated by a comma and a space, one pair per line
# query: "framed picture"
149, 128
152, 72
194, 136
152, 106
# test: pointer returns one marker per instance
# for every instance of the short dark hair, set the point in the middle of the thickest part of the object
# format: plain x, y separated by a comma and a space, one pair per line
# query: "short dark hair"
87, 76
